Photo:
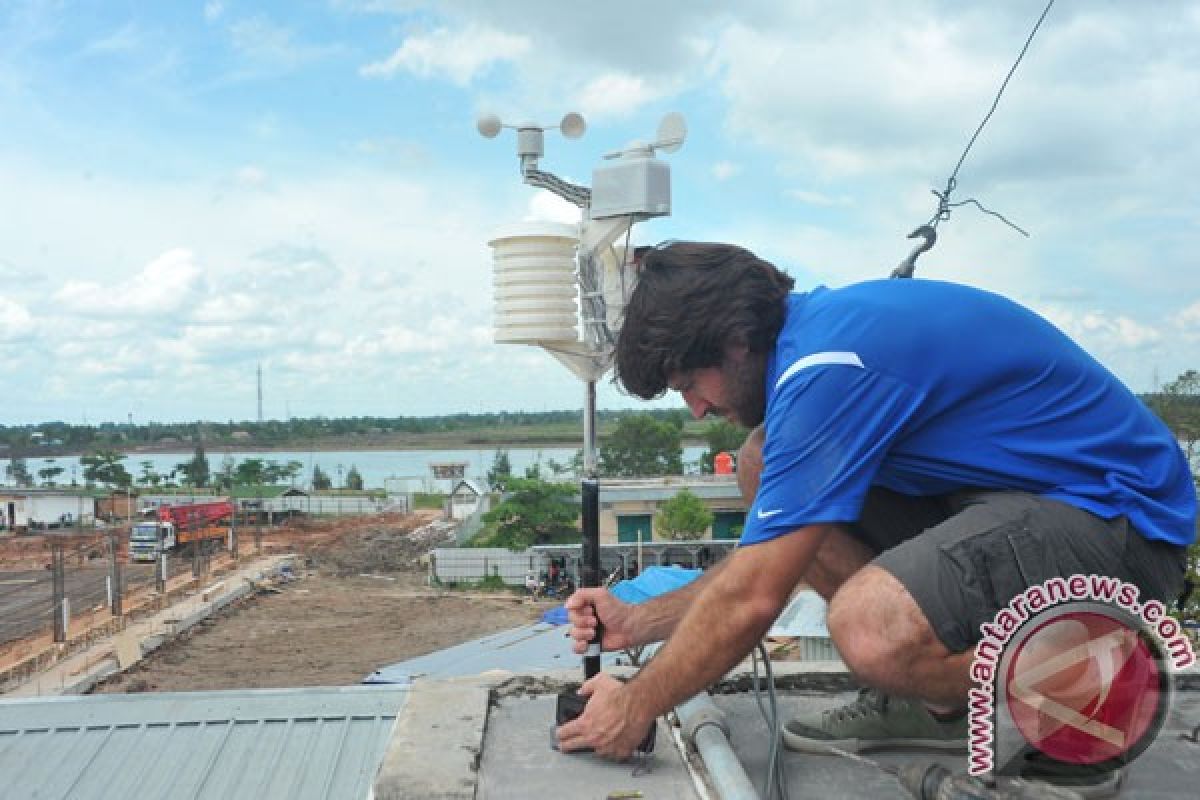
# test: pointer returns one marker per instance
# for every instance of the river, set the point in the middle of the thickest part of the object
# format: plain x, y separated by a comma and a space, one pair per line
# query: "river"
398, 470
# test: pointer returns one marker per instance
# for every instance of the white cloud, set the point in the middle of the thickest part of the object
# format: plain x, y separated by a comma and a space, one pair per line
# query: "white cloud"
16, 323
616, 95
549, 207
230, 308
166, 285
1102, 329
213, 10
724, 170
267, 43
459, 56
1188, 319
251, 175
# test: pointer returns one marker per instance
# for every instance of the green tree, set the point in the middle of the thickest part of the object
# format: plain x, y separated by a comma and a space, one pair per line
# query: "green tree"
722, 436
149, 476
274, 472
17, 472
49, 473
532, 512
501, 471
195, 472
1178, 405
573, 466
103, 466
224, 480
320, 480
354, 479
643, 446
250, 472
684, 516
292, 470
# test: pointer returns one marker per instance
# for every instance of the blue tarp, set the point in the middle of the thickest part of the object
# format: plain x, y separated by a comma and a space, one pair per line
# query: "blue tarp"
651, 583
654, 581
556, 616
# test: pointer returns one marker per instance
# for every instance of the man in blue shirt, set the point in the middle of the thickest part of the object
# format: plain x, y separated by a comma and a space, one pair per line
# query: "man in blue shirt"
928, 452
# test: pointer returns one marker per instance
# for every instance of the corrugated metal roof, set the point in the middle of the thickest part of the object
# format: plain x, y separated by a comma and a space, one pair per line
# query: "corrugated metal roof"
321, 742
529, 648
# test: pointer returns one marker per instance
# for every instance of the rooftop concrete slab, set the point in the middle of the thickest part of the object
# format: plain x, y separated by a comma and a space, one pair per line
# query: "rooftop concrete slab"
519, 763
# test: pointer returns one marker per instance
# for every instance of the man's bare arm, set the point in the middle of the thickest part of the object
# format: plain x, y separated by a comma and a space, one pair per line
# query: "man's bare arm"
726, 617
658, 617
629, 625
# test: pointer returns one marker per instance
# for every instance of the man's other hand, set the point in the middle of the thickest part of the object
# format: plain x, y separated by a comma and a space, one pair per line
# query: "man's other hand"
611, 724
585, 605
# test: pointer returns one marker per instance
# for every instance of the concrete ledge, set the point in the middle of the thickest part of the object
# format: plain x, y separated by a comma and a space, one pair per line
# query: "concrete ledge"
437, 743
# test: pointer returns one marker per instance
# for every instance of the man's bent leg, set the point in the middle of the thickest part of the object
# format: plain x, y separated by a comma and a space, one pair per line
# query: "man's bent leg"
886, 641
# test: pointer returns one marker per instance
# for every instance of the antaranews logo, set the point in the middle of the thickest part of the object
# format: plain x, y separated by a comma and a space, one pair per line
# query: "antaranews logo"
1073, 675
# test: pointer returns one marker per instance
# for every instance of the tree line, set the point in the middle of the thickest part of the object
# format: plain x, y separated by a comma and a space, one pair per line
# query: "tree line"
66, 437
105, 468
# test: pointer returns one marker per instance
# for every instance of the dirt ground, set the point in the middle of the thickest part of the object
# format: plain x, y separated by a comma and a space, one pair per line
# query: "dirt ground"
360, 602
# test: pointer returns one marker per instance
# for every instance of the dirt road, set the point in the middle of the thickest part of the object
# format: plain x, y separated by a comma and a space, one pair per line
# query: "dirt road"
334, 626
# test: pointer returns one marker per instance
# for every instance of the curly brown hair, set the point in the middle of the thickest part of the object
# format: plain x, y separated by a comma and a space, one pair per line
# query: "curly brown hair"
693, 300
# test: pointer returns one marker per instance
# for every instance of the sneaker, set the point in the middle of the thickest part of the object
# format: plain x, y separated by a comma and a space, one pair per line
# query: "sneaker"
874, 721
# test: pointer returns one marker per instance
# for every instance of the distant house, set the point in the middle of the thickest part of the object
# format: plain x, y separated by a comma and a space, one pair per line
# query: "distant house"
24, 509
241, 436
628, 505
119, 504
467, 497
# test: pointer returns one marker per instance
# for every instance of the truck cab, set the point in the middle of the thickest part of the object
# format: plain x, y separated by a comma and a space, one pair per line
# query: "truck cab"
149, 538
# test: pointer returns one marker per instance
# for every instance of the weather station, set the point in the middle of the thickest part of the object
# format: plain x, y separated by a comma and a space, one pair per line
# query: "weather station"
564, 287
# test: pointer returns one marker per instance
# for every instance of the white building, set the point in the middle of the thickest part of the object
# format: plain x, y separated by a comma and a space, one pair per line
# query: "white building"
466, 498
24, 509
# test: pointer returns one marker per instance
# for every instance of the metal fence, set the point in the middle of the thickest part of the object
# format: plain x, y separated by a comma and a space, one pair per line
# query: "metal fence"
471, 565
474, 564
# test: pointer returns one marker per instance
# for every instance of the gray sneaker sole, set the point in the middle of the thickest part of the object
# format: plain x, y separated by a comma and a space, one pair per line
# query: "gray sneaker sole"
805, 744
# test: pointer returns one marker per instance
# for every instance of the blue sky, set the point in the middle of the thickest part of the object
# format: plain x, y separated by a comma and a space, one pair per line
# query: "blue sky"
192, 188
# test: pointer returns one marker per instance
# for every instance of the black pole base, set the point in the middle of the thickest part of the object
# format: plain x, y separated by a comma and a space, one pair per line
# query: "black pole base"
571, 704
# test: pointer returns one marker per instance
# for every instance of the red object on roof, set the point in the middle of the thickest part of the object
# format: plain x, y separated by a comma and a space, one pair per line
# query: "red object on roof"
723, 463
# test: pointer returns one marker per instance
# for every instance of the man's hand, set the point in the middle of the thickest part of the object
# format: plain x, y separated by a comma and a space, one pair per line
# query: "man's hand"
611, 723
585, 605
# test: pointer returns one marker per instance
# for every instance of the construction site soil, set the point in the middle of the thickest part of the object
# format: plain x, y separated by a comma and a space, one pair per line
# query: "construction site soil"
359, 601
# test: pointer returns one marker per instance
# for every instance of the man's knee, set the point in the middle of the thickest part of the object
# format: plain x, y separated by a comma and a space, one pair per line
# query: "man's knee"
877, 626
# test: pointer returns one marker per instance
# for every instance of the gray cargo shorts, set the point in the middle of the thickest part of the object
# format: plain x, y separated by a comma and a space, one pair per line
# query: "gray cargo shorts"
963, 556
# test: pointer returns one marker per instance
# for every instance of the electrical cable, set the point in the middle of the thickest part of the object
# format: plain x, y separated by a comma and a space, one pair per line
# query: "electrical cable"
928, 231
776, 776
944, 206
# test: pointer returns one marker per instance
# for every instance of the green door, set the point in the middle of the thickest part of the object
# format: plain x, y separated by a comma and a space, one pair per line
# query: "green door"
728, 524
631, 526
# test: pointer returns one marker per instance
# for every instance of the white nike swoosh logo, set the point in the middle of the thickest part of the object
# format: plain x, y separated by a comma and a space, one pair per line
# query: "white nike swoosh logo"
765, 514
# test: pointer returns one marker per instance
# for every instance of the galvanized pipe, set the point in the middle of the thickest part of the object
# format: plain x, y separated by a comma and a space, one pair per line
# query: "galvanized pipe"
705, 728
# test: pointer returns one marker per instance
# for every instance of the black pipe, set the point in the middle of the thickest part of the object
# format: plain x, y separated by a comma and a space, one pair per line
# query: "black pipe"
590, 492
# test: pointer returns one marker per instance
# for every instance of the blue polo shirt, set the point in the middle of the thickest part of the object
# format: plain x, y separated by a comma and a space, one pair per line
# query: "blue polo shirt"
925, 387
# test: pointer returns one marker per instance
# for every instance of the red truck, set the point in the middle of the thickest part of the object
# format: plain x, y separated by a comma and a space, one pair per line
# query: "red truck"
177, 525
